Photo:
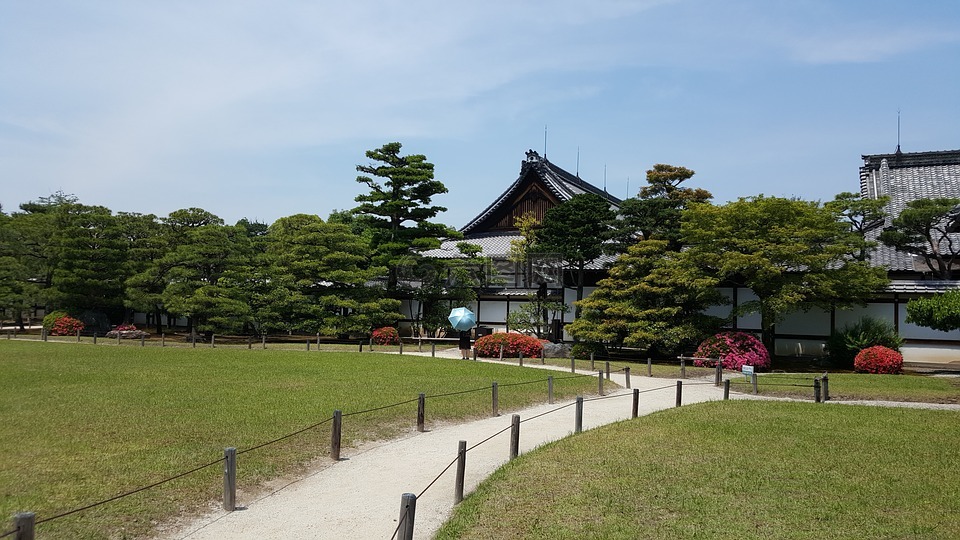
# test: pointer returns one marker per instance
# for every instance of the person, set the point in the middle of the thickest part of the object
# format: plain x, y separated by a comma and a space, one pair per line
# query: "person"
465, 344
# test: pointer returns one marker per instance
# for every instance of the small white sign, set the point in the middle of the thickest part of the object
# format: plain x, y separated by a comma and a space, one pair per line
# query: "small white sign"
747, 371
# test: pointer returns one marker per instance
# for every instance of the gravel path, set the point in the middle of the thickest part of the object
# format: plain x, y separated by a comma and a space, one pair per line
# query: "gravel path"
359, 496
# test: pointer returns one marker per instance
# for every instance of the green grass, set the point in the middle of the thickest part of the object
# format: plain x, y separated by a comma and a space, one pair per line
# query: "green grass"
732, 469
857, 386
84, 423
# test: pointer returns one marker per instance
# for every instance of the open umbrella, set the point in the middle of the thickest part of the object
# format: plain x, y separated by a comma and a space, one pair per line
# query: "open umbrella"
462, 318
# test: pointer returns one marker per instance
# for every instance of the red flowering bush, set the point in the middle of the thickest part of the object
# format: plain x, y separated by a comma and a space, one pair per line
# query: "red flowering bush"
734, 349
127, 331
387, 335
66, 326
513, 345
878, 359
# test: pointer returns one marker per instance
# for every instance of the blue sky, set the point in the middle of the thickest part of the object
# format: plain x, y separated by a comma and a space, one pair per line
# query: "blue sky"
263, 109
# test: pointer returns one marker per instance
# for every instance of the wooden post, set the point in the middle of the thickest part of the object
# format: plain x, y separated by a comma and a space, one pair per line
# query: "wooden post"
318, 341
626, 372
142, 339
578, 418
501, 352
118, 338
335, 433
515, 436
230, 479
401, 346
461, 470
543, 358
421, 411
94, 338
474, 354
496, 399
263, 340
825, 384
608, 369
550, 389
816, 390
649, 367
753, 381
679, 392
193, 339
308, 345
408, 512
78, 336
636, 403
360, 344
521, 358
592, 364
719, 374
43, 334
573, 365
600, 382
433, 349
213, 341
25, 522
726, 389
371, 344
683, 368
163, 339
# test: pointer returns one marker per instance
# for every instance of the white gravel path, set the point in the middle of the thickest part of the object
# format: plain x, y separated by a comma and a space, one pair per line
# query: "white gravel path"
359, 496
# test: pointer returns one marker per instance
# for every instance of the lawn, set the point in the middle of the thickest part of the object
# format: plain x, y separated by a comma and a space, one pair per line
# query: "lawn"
857, 386
732, 469
85, 423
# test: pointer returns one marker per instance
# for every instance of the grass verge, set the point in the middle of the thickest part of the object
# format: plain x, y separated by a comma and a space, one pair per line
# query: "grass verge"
84, 423
733, 469
857, 386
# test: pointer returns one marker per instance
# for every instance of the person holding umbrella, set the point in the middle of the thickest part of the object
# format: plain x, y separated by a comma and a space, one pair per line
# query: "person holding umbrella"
463, 320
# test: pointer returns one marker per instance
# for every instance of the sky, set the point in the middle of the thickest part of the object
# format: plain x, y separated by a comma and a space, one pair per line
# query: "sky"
259, 110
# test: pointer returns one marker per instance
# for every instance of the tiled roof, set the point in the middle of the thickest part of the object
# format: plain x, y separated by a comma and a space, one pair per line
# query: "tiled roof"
561, 184
922, 286
497, 246
906, 177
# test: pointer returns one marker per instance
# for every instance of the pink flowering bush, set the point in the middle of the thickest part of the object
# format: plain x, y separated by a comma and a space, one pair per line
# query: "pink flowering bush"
127, 331
387, 335
513, 345
734, 349
878, 359
66, 326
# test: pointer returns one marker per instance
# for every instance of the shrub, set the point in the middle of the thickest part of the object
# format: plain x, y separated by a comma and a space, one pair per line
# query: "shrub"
844, 345
513, 344
878, 359
66, 326
582, 349
51, 318
734, 349
127, 331
387, 335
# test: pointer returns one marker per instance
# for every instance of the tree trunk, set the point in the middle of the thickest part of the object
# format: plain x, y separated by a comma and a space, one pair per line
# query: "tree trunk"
157, 315
767, 332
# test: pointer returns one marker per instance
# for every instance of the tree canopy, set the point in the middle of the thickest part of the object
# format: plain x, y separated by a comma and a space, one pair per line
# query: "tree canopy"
940, 312
928, 227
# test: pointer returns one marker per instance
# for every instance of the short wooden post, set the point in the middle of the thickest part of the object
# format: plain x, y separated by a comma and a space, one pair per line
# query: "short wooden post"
683, 368
461, 471
419, 343
521, 359
213, 341
360, 344
335, 433
753, 381
163, 339
578, 418
193, 339
25, 522
573, 365
501, 352
474, 354
718, 376
43, 334
230, 479
249, 342
593, 365
726, 389
515, 436
433, 349
649, 367
421, 411
626, 372
408, 512
825, 385
263, 340
318, 341
308, 345
142, 340
543, 358
401, 346
94, 338
607, 366
816, 390
600, 382
679, 392
496, 399
118, 337
550, 389
78, 336
371, 344
636, 403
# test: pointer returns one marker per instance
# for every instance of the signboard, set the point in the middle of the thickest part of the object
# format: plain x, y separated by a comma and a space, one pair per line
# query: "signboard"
747, 371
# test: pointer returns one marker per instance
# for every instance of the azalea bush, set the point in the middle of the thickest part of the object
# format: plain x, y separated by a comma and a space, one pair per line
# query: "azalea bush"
878, 359
513, 345
66, 326
127, 331
844, 345
734, 349
386, 335
51, 318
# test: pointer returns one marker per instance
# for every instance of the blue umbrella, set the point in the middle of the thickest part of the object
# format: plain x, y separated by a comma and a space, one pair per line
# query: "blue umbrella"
462, 318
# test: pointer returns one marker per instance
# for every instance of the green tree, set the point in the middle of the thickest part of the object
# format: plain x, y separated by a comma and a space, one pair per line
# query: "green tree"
397, 209
575, 232
927, 227
792, 254
940, 312
533, 317
655, 212
522, 248
442, 284
862, 214
649, 301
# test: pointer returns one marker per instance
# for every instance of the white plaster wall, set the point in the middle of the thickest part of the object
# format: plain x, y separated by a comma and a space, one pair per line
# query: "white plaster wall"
853, 315
493, 311
722, 311
913, 331
815, 322
751, 320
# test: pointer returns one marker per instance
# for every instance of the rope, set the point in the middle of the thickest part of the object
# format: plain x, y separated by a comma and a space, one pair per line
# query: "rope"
8, 533
458, 393
434, 481
381, 408
549, 412
287, 436
122, 495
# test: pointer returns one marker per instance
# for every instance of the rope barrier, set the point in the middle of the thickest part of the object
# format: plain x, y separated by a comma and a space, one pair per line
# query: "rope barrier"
8, 533
434, 481
458, 393
380, 408
287, 436
122, 495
